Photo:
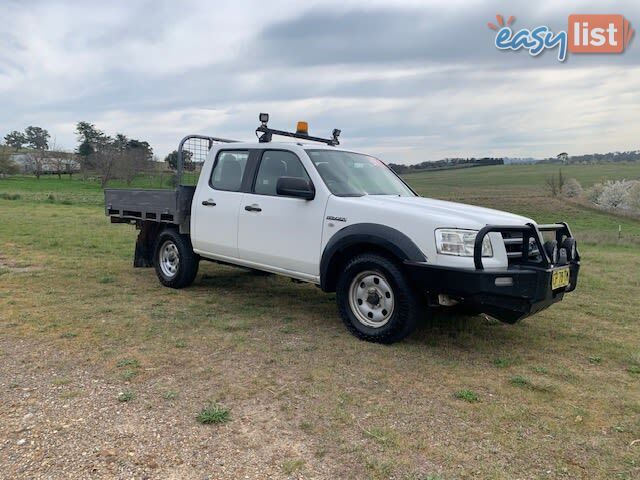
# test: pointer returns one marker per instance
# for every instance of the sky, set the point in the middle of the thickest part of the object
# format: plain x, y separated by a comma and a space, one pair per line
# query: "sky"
407, 81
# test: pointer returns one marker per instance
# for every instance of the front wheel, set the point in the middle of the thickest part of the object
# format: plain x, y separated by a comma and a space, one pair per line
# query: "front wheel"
175, 262
376, 301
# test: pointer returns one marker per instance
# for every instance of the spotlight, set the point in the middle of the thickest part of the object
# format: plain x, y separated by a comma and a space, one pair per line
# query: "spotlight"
571, 247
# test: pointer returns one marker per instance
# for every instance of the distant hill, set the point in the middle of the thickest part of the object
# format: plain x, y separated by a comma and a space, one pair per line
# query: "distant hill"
630, 156
446, 164
563, 158
523, 161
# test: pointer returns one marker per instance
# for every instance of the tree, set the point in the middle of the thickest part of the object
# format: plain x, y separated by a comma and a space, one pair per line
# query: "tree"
38, 139
552, 185
85, 149
120, 142
111, 157
555, 183
104, 158
172, 160
133, 157
399, 169
15, 139
87, 132
88, 137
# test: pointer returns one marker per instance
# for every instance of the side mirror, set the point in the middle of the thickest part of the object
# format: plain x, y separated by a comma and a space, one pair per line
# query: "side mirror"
295, 187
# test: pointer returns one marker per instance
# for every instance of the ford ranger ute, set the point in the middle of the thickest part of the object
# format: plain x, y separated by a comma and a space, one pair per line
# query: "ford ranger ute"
346, 222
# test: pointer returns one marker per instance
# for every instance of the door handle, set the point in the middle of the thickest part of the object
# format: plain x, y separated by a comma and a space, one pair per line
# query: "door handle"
253, 208
209, 203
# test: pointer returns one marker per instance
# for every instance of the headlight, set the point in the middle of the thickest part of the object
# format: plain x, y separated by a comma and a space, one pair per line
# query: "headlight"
460, 242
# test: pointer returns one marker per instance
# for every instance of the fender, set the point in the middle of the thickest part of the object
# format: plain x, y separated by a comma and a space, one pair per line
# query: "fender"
387, 238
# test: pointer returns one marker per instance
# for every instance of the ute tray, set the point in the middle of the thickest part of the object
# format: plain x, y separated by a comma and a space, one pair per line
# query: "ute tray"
125, 205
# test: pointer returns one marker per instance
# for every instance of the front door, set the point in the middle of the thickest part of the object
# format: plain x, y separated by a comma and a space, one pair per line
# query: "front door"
277, 231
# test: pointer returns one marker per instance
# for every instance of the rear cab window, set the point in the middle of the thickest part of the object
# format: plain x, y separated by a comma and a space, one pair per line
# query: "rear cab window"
228, 170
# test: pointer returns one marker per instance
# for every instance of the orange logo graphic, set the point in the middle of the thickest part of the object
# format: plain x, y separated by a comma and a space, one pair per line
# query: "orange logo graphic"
599, 33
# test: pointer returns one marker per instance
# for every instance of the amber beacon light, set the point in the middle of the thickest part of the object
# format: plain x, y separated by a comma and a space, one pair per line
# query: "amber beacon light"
303, 128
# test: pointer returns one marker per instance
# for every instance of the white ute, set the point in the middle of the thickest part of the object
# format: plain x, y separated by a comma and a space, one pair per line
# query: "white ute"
346, 222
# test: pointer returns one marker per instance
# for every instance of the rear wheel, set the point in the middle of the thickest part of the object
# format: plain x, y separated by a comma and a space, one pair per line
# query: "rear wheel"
376, 301
175, 262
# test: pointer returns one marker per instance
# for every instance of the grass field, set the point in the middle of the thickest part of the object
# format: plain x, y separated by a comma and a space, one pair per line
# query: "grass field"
105, 373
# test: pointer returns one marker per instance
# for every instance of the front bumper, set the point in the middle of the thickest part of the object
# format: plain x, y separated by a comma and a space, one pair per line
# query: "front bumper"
527, 292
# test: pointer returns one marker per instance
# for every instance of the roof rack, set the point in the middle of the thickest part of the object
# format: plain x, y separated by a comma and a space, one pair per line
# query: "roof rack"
302, 132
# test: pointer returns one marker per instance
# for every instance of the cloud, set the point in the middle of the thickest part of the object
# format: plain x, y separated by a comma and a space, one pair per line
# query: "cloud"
425, 34
409, 82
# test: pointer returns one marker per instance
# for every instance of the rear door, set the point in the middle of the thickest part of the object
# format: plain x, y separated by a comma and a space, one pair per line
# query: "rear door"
283, 233
218, 200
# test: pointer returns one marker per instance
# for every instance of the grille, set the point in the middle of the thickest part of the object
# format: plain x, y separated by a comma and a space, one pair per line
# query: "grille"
513, 245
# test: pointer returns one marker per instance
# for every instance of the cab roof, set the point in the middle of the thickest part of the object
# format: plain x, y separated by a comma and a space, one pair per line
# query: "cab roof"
283, 145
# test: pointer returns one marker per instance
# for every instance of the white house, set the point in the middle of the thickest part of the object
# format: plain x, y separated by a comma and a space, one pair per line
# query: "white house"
26, 162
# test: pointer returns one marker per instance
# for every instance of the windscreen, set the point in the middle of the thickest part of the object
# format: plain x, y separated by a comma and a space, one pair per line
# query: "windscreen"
349, 174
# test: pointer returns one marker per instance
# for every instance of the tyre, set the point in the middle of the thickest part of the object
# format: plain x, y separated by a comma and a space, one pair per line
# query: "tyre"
376, 301
175, 262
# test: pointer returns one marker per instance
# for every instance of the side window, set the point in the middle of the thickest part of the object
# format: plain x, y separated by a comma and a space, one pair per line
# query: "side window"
228, 170
276, 164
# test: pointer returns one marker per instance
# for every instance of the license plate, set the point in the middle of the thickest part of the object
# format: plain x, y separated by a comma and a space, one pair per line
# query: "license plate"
560, 278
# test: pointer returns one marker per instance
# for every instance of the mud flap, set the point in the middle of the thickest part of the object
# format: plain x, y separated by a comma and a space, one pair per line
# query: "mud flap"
143, 255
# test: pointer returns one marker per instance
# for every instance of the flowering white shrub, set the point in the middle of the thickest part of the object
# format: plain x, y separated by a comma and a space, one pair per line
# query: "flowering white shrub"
633, 198
616, 194
571, 188
594, 192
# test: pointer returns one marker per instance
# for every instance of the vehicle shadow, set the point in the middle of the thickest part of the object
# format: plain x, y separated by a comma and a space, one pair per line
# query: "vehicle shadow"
439, 326
453, 331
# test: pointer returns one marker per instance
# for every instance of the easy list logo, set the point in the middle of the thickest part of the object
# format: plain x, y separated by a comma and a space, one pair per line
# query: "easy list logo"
585, 34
